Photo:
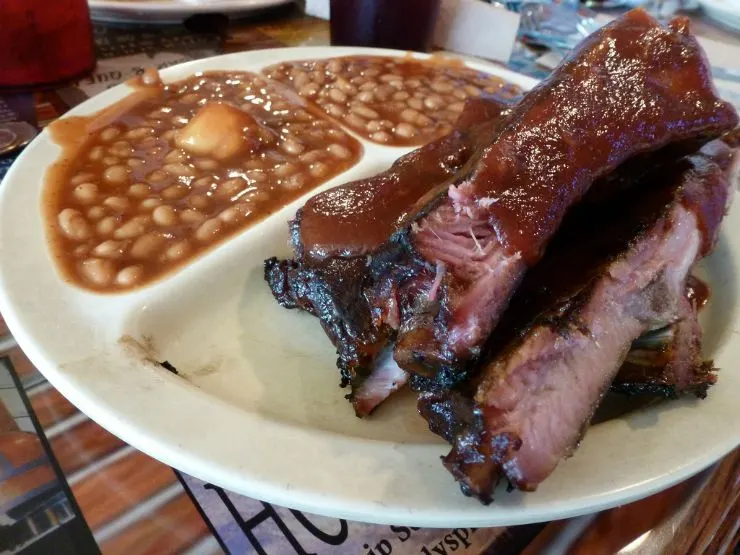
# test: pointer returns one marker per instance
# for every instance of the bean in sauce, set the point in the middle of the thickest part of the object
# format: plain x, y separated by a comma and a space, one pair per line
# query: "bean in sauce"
173, 170
170, 171
391, 101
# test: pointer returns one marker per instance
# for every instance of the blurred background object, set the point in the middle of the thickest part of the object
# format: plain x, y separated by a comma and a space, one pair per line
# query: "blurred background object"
401, 24
15, 135
44, 43
723, 12
556, 25
468, 27
33, 507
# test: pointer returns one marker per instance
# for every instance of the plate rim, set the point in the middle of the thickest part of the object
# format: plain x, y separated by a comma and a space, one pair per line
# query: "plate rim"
173, 454
173, 12
181, 6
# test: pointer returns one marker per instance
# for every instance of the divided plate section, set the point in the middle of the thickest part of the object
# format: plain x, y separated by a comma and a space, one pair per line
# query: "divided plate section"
219, 325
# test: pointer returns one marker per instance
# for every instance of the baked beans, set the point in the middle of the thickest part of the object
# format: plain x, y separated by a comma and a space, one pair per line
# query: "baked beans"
185, 166
391, 101
183, 169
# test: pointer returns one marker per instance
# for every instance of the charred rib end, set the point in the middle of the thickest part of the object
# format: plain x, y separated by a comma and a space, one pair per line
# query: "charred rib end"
276, 275
464, 473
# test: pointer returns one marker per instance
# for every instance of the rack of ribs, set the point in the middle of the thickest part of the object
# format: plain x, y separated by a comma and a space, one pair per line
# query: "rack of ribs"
411, 270
613, 274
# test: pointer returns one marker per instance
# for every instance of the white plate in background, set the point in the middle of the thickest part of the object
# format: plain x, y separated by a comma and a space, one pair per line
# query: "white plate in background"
171, 11
256, 408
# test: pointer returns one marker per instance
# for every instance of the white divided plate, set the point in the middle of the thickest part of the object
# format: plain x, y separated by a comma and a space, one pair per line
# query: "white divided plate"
256, 408
171, 11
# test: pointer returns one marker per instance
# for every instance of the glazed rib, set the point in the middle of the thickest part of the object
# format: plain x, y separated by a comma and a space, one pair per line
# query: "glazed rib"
443, 281
535, 398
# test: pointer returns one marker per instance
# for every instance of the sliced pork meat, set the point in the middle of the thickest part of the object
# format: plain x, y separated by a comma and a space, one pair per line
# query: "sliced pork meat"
444, 279
534, 399
335, 235
385, 379
668, 362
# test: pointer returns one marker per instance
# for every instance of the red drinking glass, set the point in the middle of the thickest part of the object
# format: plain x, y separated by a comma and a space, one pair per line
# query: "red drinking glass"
401, 24
44, 41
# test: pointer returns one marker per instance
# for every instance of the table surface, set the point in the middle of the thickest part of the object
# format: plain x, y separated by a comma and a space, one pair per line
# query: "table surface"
68, 486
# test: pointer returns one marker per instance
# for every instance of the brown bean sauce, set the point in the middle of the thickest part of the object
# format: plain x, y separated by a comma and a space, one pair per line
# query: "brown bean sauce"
147, 184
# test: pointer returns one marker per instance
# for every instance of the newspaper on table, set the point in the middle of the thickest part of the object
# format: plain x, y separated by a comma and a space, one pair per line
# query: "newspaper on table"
247, 526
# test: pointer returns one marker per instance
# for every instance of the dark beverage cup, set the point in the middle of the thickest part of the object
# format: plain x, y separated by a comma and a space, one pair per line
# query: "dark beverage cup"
401, 24
43, 42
